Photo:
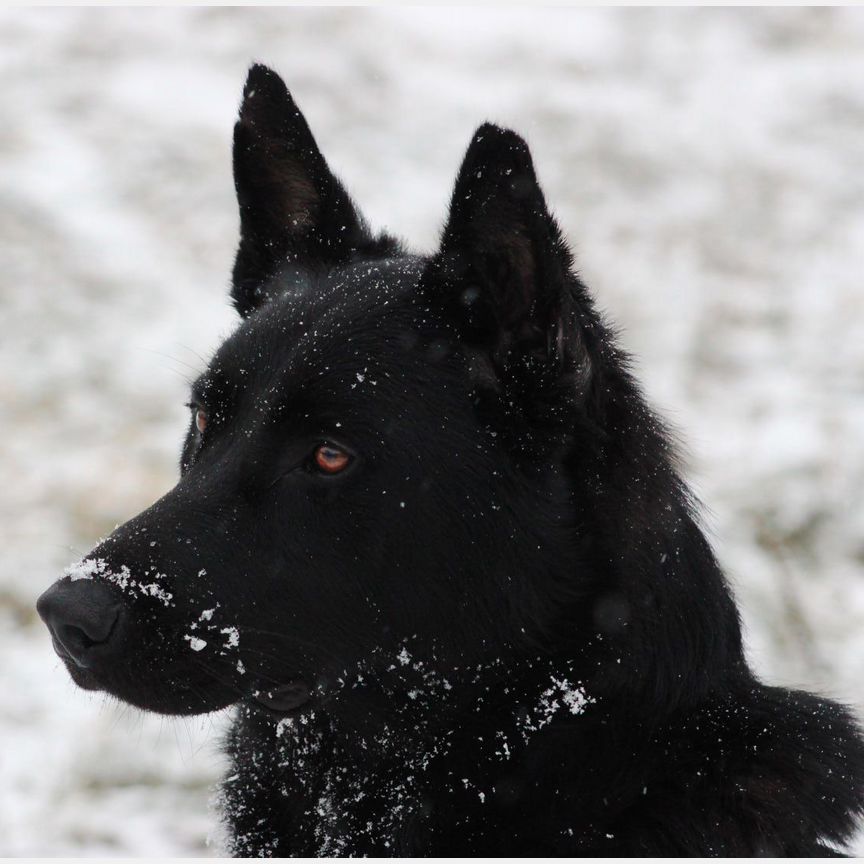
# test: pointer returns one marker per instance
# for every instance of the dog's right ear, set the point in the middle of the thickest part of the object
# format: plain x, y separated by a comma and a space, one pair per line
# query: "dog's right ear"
292, 209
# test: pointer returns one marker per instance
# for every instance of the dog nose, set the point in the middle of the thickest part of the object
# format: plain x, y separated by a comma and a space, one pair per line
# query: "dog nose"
82, 617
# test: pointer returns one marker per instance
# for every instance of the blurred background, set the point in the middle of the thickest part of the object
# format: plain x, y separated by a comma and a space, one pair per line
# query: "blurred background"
706, 165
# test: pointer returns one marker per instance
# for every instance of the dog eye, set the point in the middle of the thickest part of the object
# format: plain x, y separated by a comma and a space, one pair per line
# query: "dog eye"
330, 460
200, 420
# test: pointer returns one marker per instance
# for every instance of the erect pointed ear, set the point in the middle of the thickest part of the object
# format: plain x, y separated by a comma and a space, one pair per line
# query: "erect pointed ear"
292, 208
503, 267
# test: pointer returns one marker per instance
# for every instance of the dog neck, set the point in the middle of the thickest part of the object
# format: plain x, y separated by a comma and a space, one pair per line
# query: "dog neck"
358, 767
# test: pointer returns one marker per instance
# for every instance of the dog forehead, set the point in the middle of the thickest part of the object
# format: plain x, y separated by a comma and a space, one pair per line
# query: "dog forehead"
316, 323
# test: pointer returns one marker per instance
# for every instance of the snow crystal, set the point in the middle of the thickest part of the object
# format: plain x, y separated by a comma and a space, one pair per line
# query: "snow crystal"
561, 695
195, 643
573, 697
154, 590
284, 724
90, 568
233, 635
86, 569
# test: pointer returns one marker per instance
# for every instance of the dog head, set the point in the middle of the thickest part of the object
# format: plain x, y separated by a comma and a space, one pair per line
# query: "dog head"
375, 459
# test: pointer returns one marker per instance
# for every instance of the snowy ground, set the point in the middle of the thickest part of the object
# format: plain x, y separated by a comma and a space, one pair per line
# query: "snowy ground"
706, 164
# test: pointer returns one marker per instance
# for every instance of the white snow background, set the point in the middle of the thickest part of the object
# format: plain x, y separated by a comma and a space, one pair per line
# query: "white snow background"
706, 165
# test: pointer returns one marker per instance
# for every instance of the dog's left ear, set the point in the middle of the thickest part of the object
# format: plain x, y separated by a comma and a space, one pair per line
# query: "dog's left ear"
292, 209
503, 270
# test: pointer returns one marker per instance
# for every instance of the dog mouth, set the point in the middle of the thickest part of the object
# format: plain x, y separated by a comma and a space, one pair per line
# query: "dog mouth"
82, 677
289, 698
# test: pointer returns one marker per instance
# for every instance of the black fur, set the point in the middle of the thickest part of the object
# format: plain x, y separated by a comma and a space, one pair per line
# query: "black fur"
500, 630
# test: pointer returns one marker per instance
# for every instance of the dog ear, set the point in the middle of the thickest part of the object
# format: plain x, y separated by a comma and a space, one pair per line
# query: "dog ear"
503, 269
292, 208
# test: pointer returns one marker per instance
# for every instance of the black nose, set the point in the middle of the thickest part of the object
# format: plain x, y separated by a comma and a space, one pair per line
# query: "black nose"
82, 617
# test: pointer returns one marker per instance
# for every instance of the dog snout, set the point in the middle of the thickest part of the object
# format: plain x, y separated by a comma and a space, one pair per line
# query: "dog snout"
84, 618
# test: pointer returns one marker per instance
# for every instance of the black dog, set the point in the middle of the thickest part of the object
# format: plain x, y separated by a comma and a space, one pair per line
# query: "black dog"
432, 543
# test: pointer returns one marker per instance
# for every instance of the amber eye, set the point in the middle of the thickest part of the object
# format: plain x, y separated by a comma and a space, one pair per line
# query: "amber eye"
330, 460
200, 420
